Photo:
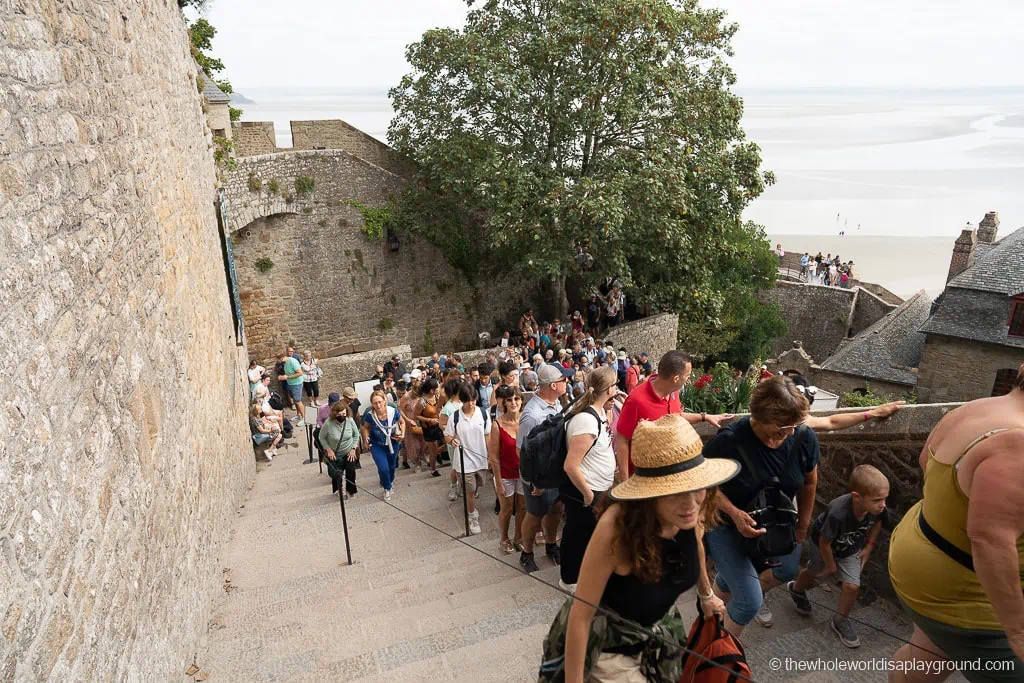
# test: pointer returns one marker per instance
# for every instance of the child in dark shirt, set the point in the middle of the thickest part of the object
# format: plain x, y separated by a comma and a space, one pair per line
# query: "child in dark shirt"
842, 539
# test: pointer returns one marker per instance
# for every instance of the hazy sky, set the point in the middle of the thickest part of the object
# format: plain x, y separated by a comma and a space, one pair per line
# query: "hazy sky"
334, 43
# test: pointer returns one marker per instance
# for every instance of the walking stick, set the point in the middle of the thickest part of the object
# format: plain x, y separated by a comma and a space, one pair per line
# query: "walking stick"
465, 500
344, 518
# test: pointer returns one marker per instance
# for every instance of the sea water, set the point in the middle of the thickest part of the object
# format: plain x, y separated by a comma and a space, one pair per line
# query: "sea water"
885, 177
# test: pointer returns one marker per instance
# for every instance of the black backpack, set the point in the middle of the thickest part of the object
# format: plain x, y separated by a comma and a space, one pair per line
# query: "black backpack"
275, 401
542, 456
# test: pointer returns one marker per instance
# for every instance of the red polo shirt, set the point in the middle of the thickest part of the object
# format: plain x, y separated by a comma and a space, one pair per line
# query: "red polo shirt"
645, 404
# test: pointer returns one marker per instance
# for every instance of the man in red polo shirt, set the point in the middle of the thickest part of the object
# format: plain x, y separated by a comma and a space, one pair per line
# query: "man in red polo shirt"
655, 398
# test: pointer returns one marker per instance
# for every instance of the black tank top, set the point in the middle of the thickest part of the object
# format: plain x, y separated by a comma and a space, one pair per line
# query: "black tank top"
646, 603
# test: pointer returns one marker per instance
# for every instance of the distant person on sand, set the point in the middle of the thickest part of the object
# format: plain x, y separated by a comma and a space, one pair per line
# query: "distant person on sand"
779, 252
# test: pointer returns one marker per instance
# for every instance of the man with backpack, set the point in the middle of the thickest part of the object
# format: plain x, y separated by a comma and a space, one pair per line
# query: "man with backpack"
542, 505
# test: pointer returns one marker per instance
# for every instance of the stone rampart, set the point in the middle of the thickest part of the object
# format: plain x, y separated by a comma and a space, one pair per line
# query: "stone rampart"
656, 335
868, 308
252, 138
336, 134
124, 449
332, 286
893, 446
817, 315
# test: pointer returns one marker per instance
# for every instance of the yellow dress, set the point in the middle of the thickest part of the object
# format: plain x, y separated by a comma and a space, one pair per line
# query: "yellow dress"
925, 578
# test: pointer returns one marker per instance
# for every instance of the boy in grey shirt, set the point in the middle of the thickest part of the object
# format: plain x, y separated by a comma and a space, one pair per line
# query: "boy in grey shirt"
842, 538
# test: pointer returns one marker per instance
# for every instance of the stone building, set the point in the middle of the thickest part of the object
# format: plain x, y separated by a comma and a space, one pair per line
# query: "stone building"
124, 449
974, 339
217, 106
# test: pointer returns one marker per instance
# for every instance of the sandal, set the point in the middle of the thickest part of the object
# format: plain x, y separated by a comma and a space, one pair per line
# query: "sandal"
518, 545
506, 546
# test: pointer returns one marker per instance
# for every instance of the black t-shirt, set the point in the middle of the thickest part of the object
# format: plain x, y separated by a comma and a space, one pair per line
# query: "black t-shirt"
845, 532
593, 310
790, 462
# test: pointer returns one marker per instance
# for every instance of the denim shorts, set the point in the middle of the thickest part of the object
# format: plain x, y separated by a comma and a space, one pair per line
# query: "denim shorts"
295, 390
261, 439
538, 506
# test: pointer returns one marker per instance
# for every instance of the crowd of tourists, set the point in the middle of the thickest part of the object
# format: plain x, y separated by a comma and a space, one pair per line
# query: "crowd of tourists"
827, 270
575, 434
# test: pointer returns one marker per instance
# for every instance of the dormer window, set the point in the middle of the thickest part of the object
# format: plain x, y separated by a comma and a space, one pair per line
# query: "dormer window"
1017, 316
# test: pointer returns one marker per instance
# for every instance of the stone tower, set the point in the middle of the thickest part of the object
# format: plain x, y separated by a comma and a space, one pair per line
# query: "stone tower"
963, 253
988, 228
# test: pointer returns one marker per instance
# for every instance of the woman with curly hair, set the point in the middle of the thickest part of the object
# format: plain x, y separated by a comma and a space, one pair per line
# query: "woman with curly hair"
646, 551
429, 420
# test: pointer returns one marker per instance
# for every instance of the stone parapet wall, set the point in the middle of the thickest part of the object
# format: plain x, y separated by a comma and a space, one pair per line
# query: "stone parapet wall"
124, 448
656, 335
893, 446
345, 371
331, 286
336, 134
252, 138
868, 308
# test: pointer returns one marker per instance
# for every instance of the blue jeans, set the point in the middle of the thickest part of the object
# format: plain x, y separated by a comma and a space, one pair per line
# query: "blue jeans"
386, 464
736, 573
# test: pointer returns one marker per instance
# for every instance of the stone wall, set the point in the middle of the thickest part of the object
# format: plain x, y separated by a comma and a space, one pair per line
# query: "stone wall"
252, 138
837, 382
868, 308
336, 134
959, 370
656, 335
124, 449
879, 291
218, 117
332, 287
817, 315
893, 446
345, 371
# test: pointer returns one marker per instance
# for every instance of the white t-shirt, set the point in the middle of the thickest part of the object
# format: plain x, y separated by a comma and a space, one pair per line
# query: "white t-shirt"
256, 374
472, 432
598, 465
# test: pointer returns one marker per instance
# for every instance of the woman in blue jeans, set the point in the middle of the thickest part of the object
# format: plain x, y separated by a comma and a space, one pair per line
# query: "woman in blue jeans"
770, 444
382, 428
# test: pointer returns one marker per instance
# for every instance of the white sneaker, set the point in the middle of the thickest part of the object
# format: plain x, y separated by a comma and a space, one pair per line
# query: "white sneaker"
270, 455
387, 496
474, 525
571, 587
299, 423
453, 492
764, 615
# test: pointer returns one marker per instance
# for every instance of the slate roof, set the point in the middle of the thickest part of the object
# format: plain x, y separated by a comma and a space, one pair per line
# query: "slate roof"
976, 304
999, 268
888, 348
212, 93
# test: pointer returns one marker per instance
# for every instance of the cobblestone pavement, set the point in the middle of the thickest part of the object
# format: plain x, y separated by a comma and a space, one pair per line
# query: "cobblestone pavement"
418, 606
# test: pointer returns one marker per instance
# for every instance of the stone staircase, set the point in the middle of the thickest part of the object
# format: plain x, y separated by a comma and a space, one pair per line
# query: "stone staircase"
417, 605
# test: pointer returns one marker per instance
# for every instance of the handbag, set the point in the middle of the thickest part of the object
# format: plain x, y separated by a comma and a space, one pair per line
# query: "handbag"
773, 511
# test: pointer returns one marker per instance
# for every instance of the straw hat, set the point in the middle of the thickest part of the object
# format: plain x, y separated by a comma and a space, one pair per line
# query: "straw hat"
668, 460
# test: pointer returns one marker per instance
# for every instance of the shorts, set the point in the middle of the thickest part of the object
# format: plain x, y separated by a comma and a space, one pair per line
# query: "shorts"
510, 487
847, 568
295, 391
538, 506
970, 644
473, 480
261, 439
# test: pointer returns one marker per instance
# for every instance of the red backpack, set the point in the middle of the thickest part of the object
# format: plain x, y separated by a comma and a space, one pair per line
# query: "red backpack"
709, 639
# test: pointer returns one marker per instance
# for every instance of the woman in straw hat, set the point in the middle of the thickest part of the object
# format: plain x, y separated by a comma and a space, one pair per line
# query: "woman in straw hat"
646, 551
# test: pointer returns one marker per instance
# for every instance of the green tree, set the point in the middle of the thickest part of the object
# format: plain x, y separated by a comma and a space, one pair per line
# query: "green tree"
584, 140
201, 33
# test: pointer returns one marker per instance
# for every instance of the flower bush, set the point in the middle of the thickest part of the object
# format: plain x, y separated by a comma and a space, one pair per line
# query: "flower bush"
718, 392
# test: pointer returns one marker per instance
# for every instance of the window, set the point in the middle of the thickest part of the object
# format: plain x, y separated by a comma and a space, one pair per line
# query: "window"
1004, 381
219, 132
1017, 316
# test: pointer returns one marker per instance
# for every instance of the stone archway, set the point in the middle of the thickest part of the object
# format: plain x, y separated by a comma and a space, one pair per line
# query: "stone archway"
242, 213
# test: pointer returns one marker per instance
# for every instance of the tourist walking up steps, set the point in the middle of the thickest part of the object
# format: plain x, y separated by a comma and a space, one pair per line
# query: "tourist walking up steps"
503, 458
382, 430
645, 552
291, 375
467, 432
542, 505
957, 556
339, 438
780, 460
311, 378
589, 469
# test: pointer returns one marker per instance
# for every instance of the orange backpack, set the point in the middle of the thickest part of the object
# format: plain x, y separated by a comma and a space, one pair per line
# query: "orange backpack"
710, 640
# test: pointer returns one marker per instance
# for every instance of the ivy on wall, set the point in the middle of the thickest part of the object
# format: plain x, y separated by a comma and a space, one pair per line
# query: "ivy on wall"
376, 220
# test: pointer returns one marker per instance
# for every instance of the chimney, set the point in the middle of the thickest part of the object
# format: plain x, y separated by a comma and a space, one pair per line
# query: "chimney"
963, 253
988, 228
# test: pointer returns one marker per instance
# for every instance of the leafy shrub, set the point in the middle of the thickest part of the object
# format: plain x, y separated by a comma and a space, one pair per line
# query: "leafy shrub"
303, 185
868, 398
255, 184
273, 186
264, 264
385, 324
718, 392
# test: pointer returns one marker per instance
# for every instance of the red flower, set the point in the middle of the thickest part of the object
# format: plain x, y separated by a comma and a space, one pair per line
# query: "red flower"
703, 382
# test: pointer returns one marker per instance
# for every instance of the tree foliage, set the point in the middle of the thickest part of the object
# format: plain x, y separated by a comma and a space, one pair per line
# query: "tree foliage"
550, 129
201, 33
